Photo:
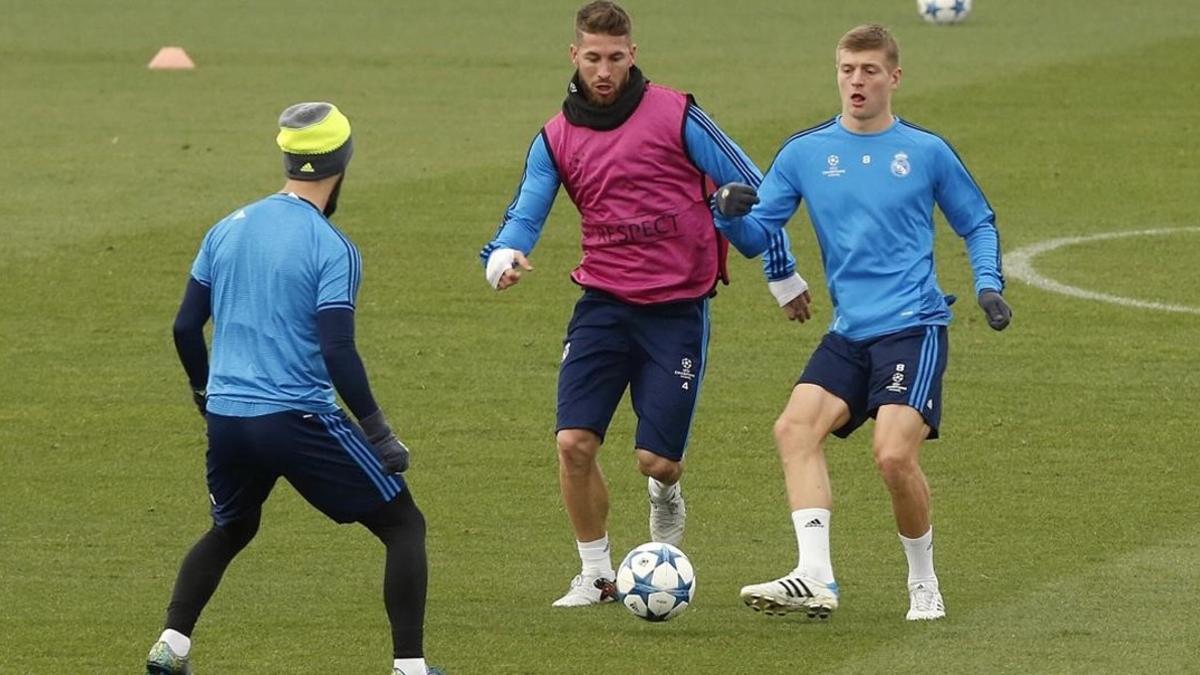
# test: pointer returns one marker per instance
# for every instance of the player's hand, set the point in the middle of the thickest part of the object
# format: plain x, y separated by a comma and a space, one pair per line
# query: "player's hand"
392, 452
998, 313
505, 267
734, 200
793, 296
200, 398
799, 309
512, 275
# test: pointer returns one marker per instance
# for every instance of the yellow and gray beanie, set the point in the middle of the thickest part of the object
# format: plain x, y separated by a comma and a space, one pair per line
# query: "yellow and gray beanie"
315, 139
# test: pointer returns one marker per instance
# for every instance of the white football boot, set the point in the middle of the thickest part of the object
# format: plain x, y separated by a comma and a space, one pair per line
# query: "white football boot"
792, 593
587, 590
925, 602
668, 516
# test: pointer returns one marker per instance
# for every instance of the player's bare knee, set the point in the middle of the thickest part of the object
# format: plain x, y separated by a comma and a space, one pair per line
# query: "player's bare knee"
660, 468
785, 429
577, 449
795, 434
895, 464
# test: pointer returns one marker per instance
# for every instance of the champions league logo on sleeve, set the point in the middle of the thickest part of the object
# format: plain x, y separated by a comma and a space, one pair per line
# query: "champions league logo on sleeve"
900, 167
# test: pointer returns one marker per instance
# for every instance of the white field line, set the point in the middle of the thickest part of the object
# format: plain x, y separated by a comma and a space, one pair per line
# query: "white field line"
1019, 265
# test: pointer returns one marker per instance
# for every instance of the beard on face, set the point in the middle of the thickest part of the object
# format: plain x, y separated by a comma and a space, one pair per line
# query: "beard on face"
332, 204
595, 100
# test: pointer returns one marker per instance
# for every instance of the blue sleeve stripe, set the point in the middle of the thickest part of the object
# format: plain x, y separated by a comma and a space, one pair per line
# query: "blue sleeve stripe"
335, 305
487, 251
999, 261
545, 144
202, 282
777, 252
957, 157
508, 211
355, 273
800, 134
355, 261
722, 141
804, 132
999, 267
779, 258
526, 215
771, 257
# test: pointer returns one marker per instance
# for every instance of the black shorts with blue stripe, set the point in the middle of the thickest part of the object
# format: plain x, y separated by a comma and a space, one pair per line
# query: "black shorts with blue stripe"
325, 457
904, 368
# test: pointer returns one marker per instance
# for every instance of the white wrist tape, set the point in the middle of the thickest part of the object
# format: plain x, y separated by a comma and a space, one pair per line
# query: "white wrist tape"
787, 290
500, 261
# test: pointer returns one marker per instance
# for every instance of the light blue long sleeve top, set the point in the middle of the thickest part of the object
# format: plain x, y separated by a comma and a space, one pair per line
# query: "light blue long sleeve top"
870, 198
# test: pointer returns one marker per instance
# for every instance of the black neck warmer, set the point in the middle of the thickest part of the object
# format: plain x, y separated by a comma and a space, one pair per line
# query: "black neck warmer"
581, 112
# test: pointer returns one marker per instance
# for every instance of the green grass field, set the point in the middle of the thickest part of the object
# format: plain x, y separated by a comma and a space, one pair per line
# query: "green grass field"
1065, 485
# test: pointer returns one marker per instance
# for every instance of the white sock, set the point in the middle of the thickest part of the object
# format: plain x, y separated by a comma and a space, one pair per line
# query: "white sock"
659, 491
178, 642
596, 557
812, 539
410, 666
919, 552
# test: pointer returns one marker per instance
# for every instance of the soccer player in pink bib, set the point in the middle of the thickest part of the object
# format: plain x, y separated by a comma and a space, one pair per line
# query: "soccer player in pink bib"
640, 162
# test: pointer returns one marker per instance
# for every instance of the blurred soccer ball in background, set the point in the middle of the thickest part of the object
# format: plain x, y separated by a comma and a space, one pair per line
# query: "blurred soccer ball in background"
944, 11
656, 582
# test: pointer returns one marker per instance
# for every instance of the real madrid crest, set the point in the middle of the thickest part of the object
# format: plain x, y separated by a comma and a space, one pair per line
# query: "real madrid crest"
900, 167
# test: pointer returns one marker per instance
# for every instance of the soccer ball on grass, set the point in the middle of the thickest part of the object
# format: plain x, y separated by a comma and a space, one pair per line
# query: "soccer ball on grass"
944, 11
656, 582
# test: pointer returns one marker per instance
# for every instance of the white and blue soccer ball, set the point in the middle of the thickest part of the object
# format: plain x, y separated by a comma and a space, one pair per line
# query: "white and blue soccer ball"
944, 11
656, 582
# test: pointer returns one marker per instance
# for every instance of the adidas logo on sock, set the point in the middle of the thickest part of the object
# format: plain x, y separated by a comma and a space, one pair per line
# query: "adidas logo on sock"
815, 522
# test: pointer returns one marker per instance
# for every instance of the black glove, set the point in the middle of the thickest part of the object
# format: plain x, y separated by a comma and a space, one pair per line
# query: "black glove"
200, 398
995, 308
392, 452
735, 199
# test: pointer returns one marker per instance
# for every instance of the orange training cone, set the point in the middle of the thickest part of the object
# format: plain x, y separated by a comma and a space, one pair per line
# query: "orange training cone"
171, 58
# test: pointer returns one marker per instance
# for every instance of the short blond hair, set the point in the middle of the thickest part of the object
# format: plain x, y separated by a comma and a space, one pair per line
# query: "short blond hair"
869, 37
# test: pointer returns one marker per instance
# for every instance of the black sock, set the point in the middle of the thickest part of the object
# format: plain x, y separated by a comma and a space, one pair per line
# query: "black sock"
201, 571
401, 527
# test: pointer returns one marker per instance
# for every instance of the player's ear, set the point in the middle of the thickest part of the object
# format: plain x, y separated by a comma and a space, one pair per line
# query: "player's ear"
896, 77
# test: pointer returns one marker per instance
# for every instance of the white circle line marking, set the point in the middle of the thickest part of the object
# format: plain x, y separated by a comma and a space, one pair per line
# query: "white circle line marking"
1019, 265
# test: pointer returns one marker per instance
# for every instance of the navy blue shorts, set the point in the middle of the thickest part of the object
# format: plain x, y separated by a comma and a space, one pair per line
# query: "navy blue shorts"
657, 351
324, 456
905, 367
